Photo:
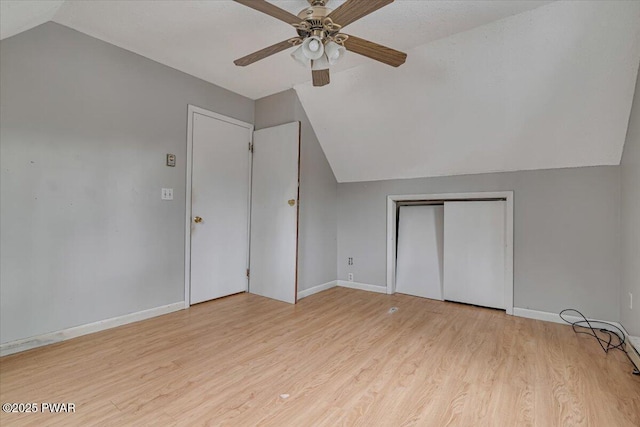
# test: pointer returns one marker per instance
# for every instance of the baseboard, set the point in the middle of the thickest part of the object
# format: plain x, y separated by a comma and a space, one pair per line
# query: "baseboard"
555, 317
540, 315
363, 286
77, 331
344, 284
316, 289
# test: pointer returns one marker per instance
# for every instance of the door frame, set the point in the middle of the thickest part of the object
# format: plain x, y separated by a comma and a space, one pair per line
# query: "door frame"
392, 232
191, 110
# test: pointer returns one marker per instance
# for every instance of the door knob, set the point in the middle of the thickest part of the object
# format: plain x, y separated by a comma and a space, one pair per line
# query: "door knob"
292, 202
197, 219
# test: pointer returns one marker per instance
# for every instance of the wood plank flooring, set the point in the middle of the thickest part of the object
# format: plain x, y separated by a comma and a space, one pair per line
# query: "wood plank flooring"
341, 358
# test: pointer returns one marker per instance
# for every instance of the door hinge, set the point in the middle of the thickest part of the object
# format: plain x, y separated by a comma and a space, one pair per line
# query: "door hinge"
251, 147
247, 272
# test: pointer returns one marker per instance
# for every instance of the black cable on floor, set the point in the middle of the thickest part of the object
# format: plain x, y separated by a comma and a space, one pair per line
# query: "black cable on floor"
589, 329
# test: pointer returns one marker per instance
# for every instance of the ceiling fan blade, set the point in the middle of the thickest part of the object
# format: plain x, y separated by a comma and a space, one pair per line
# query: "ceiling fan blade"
352, 10
271, 10
320, 77
262, 53
375, 51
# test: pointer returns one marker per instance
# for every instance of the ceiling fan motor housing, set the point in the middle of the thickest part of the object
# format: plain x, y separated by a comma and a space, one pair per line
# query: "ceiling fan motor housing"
315, 22
314, 13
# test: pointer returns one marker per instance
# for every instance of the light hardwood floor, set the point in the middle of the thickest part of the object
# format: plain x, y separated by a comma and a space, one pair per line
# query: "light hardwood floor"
341, 358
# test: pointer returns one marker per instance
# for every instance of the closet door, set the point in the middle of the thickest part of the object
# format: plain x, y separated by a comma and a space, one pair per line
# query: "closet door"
274, 212
474, 249
420, 251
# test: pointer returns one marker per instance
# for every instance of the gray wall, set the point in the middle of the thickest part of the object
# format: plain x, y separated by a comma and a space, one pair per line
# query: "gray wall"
277, 109
85, 127
566, 233
317, 241
630, 178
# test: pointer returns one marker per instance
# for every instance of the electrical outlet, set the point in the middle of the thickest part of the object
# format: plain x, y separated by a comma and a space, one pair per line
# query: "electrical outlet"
630, 301
350, 277
350, 261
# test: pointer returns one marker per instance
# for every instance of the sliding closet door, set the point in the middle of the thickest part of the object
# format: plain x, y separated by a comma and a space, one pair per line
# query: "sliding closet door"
474, 248
420, 251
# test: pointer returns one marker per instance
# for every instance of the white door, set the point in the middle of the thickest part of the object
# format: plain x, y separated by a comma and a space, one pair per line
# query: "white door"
420, 251
219, 207
474, 250
274, 212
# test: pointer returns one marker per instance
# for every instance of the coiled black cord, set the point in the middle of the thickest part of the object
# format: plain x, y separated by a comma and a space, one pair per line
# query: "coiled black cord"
587, 328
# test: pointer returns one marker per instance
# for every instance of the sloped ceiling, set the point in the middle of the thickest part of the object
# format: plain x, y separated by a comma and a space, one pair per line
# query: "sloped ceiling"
488, 85
548, 88
19, 16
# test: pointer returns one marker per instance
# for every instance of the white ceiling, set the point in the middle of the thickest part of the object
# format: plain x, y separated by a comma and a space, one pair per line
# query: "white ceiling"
549, 88
202, 38
488, 85
19, 16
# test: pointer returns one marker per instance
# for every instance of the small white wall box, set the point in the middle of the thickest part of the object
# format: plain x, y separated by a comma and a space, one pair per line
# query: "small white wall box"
167, 194
171, 160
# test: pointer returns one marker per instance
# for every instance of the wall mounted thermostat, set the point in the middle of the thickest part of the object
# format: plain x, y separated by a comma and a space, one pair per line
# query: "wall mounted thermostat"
171, 160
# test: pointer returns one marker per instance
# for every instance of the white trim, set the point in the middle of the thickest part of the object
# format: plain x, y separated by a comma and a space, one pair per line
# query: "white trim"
541, 315
392, 201
187, 232
555, 317
249, 199
191, 110
89, 328
362, 286
316, 289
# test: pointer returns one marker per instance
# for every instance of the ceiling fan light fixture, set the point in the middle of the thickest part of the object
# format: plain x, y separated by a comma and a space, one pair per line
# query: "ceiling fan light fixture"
313, 48
334, 52
300, 57
319, 35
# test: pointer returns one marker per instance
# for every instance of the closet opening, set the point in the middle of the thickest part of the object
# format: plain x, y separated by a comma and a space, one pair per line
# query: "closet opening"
455, 247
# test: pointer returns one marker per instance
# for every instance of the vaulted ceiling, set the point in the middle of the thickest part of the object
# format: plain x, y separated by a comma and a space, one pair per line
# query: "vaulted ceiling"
488, 85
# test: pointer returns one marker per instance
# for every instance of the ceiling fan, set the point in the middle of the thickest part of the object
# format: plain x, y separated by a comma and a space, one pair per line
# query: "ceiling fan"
320, 42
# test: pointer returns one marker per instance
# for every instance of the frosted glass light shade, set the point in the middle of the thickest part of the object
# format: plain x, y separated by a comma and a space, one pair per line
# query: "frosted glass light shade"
300, 57
334, 52
321, 63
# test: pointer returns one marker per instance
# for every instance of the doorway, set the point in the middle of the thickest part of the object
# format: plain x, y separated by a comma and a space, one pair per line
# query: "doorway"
218, 194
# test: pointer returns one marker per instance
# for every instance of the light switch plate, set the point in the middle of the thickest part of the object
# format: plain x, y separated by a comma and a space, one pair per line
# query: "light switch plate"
171, 160
167, 194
